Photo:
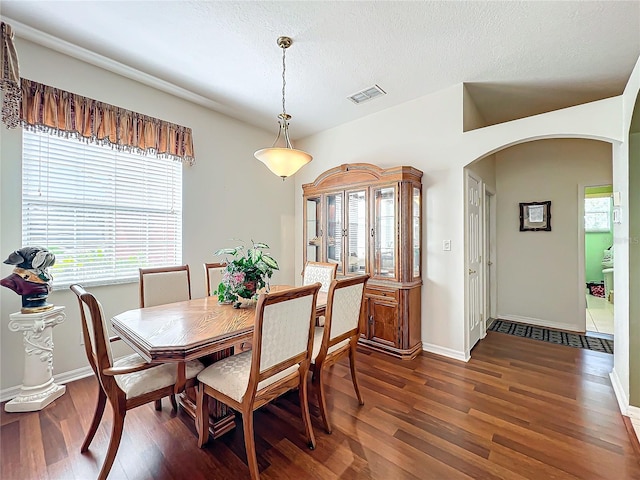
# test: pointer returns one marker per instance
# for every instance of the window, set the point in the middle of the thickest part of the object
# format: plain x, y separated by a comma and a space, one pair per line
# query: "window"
597, 212
103, 213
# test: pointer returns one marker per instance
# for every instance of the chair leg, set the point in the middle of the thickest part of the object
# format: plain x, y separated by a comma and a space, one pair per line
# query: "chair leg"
250, 444
202, 415
174, 403
158, 404
304, 408
354, 378
95, 423
322, 401
114, 442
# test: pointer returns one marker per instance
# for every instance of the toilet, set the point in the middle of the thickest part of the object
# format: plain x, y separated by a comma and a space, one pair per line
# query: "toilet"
607, 271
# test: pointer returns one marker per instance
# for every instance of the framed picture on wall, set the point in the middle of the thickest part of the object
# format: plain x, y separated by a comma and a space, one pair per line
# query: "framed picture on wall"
535, 216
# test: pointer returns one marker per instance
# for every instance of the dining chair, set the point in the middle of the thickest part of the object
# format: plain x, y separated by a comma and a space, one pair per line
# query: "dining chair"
279, 362
319, 272
127, 382
213, 274
162, 285
338, 337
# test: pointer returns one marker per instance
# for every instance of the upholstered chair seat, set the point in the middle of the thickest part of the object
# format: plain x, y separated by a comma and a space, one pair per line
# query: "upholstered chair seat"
317, 343
231, 375
145, 381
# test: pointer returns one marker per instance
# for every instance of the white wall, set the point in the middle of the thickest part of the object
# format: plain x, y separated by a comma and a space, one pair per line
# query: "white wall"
621, 239
538, 272
227, 194
427, 133
486, 170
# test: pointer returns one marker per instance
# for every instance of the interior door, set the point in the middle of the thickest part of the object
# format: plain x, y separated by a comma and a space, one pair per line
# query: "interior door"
489, 257
474, 260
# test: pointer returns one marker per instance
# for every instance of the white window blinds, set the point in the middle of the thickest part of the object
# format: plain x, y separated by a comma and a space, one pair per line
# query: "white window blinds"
597, 214
103, 213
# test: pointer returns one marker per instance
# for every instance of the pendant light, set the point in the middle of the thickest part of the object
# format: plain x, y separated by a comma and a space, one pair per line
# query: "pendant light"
281, 158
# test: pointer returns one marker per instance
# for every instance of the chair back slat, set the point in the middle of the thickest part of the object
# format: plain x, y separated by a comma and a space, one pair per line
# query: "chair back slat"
94, 330
319, 272
346, 309
162, 285
213, 274
283, 332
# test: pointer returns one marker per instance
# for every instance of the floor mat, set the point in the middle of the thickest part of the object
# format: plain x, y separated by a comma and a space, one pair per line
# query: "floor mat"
554, 336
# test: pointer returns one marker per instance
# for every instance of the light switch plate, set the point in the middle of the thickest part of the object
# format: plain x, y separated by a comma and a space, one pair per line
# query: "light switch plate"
446, 245
617, 215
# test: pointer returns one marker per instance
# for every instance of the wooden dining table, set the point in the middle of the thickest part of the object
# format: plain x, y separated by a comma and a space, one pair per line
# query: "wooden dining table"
201, 328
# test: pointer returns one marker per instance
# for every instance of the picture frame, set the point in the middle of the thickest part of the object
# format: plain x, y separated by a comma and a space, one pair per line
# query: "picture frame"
535, 216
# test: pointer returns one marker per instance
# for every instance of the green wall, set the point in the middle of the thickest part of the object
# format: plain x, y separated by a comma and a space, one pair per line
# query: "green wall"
594, 245
596, 242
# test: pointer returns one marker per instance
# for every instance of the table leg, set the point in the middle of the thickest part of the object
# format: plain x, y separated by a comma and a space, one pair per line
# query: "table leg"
181, 378
221, 417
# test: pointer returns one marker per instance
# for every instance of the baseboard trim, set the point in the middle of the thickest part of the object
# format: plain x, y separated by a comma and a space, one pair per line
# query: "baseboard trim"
541, 323
62, 378
634, 413
623, 401
634, 428
445, 352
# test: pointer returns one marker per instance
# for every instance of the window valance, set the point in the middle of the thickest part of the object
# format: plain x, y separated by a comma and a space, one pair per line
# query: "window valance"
46, 108
10, 79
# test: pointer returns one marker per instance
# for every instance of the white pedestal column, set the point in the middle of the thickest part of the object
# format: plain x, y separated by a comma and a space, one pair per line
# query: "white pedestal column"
38, 389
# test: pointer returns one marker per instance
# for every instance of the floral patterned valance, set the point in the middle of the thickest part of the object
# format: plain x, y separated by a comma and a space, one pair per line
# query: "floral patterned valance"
64, 113
9, 78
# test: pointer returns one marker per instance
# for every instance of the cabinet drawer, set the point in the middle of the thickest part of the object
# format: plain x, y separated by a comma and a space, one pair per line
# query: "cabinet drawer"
382, 292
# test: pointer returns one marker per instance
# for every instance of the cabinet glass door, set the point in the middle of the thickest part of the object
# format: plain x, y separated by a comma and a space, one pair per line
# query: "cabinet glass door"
416, 239
313, 232
356, 245
334, 213
384, 264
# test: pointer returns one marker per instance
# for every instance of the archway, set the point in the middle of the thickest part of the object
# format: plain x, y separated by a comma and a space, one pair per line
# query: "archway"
537, 282
634, 256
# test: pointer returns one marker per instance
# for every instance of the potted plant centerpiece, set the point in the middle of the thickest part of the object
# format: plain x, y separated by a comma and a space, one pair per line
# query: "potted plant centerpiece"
247, 272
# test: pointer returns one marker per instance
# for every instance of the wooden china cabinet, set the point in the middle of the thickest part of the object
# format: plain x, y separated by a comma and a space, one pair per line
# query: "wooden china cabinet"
368, 220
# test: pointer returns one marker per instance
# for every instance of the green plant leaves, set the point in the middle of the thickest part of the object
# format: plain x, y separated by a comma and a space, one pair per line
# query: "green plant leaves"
254, 267
228, 251
270, 261
255, 254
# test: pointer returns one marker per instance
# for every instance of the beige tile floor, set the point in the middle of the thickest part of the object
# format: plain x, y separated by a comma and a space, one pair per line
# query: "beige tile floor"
599, 315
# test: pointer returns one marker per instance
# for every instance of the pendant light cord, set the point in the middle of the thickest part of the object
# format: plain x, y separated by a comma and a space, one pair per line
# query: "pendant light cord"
284, 50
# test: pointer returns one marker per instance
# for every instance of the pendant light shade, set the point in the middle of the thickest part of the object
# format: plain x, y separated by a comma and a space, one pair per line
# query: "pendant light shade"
284, 162
281, 158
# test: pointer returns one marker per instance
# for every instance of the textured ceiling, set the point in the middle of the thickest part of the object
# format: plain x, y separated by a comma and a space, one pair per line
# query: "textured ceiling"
517, 58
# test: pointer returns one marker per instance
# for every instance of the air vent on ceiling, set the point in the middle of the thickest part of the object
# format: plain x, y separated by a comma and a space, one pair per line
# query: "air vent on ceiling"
367, 94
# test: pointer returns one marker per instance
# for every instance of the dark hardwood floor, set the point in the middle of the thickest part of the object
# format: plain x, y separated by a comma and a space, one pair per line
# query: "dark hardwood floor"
519, 409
